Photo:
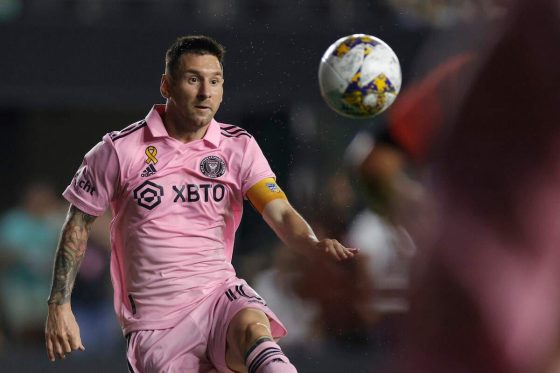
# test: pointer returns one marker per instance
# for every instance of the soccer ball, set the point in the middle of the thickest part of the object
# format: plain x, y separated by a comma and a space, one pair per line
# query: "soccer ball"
359, 76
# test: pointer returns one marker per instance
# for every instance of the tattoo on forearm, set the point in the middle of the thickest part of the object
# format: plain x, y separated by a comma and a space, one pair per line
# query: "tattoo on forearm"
69, 255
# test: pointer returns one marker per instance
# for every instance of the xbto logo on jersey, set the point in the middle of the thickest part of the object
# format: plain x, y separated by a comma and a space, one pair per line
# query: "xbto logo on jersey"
212, 166
200, 192
148, 194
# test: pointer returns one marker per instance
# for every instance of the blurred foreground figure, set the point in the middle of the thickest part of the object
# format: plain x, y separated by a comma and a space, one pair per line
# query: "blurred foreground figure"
486, 294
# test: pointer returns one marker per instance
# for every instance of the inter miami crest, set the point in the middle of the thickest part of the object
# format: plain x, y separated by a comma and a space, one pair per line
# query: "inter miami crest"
212, 166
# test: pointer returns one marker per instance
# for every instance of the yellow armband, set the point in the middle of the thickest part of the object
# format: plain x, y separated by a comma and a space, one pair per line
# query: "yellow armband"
263, 192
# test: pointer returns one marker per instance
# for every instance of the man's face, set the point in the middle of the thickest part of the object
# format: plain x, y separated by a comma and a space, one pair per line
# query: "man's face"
196, 89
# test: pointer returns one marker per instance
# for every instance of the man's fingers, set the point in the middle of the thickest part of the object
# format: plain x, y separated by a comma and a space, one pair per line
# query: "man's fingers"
340, 254
65, 345
350, 252
77, 346
60, 347
58, 350
334, 248
338, 251
344, 252
50, 351
76, 343
341, 250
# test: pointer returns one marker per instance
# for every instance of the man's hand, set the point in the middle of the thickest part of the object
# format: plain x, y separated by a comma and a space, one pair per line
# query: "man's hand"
335, 249
62, 333
295, 232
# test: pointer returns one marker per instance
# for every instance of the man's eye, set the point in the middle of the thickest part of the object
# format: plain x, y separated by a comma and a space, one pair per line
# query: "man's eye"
193, 79
215, 81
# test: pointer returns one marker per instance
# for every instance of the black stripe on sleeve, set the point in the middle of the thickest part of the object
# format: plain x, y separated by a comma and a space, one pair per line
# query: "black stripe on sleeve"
226, 128
127, 131
238, 135
234, 131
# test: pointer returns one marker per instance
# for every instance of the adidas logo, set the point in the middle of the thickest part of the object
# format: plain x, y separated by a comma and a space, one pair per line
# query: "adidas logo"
149, 171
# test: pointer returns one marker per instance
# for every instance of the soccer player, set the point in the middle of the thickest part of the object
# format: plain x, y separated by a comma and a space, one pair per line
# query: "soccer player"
176, 183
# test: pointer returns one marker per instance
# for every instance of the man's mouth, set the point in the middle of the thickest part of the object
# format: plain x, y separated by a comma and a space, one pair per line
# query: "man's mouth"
203, 107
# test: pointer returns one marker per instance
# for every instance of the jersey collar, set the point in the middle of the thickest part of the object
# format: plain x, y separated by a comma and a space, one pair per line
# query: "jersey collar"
213, 134
157, 128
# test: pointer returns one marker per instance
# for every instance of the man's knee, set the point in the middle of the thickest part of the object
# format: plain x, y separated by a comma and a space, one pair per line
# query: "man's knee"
255, 350
247, 326
256, 330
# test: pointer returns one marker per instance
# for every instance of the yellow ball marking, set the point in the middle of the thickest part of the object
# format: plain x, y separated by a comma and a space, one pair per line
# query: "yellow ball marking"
342, 49
381, 83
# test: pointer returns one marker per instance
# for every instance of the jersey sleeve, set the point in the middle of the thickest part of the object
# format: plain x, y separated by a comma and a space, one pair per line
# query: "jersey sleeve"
95, 182
254, 167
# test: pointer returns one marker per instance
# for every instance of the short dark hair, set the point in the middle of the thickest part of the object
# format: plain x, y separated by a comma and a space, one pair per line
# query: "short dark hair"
198, 44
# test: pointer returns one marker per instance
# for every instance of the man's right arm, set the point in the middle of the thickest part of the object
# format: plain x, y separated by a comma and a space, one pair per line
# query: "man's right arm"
62, 332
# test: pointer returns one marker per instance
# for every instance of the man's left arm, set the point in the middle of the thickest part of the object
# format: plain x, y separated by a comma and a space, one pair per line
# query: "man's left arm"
290, 226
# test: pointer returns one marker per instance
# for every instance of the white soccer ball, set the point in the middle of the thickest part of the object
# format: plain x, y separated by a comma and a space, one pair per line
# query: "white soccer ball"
359, 76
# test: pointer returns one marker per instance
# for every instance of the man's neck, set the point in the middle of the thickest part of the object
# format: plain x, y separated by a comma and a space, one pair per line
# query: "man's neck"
181, 130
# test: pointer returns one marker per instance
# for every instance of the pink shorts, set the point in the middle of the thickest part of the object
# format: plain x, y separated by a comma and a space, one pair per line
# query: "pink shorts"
198, 342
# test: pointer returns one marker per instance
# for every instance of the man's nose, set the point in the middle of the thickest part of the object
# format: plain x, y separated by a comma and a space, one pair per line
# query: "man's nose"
204, 90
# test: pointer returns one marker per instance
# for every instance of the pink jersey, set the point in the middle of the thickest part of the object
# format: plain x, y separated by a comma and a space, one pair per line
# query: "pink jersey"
176, 208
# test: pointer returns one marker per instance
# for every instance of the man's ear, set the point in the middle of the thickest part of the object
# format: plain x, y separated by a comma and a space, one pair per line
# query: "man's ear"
164, 86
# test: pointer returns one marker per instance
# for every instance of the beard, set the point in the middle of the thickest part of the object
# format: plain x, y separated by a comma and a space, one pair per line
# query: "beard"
188, 116
198, 118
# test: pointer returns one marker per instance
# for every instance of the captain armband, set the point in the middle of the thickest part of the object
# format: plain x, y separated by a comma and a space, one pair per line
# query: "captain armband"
263, 192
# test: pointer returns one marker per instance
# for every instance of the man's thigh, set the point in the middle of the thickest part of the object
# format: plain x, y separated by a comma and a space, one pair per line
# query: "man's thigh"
178, 349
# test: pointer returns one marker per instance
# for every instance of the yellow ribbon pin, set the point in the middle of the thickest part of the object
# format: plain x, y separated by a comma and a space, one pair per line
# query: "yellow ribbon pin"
151, 152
